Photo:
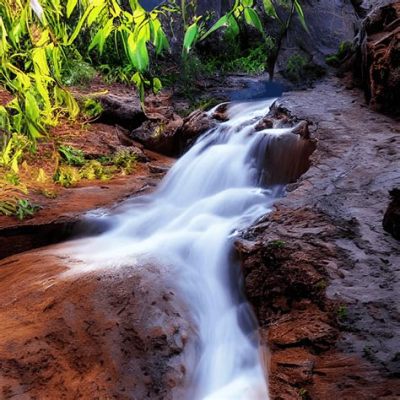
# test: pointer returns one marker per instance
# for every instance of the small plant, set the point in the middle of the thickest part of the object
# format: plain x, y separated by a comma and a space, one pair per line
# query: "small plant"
342, 312
77, 72
72, 156
95, 170
343, 51
12, 152
254, 62
92, 108
303, 393
126, 160
277, 244
295, 67
67, 175
321, 285
25, 209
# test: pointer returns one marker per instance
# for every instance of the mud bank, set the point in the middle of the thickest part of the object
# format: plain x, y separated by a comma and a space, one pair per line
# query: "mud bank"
320, 271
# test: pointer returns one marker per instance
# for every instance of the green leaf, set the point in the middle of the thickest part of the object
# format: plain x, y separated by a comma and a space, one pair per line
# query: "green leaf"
269, 8
137, 52
300, 14
190, 37
253, 19
157, 85
71, 4
233, 26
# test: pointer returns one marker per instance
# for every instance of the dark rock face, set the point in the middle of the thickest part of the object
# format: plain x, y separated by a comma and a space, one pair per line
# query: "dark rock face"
379, 58
391, 220
329, 22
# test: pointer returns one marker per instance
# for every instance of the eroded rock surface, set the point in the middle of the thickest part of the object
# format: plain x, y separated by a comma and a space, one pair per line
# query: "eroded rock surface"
321, 272
380, 58
110, 334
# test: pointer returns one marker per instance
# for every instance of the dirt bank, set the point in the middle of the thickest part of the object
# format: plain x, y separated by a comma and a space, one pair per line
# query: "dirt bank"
322, 274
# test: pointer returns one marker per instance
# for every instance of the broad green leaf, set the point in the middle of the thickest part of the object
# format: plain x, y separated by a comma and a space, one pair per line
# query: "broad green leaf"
270, 8
71, 4
137, 52
40, 61
190, 37
78, 27
162, 42
94, 14
253, 19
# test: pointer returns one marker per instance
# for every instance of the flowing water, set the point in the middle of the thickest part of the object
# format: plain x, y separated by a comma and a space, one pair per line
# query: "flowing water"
190, 222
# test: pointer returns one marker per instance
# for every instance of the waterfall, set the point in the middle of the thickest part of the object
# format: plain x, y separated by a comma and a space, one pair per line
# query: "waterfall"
190, 222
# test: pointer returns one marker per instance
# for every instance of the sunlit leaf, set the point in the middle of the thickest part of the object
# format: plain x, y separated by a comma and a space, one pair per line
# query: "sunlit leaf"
190, 37
253, 19
138, 53
71, 4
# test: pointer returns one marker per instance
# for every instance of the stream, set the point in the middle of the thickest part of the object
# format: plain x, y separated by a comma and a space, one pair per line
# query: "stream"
190, 222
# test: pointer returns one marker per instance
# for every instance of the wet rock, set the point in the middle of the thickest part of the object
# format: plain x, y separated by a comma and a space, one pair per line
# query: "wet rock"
159, 134
92, 335
265, 123
391, 220
378, 64
287, 156
193, 126
221, 112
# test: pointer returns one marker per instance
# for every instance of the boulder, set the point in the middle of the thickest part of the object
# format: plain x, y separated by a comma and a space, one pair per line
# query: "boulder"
391, 220
105, 334
159, 134
123, 110
193, 126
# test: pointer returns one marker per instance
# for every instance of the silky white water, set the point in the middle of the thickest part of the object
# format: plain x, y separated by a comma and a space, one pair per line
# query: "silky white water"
190, 222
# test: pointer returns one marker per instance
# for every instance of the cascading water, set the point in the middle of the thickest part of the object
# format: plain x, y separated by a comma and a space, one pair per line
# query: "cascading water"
190, 223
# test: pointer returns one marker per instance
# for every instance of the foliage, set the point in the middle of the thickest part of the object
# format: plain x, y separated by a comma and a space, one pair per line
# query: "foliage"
93, 169
72, 156
343, 51
277, 244
77, 72
342, 312
295, 67
92, 108
13, 201
12, 152
25, 209
67, 175
125, 160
